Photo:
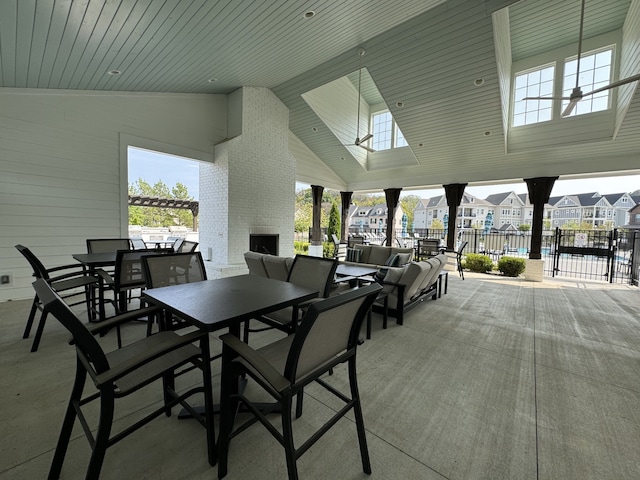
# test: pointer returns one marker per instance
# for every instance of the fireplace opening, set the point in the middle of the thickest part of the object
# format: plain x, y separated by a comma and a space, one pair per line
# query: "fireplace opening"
264, 243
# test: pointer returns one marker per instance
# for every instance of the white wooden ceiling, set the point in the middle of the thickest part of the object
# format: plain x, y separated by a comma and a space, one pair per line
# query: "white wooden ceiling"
423, 53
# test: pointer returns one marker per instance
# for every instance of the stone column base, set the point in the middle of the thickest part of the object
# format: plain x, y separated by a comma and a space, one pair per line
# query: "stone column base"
315, 251
534, 270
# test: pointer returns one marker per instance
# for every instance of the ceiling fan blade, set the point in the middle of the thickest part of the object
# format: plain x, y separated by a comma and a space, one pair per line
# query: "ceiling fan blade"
570, 107
624, 81
368, 149
546, 98
366, 137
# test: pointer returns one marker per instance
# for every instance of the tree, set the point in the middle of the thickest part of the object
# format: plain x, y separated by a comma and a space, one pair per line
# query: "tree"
334, 221
524, 227
409, 204
155, 216
437, 224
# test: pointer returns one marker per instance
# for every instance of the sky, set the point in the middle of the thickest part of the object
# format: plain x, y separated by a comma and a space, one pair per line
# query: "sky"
151, 167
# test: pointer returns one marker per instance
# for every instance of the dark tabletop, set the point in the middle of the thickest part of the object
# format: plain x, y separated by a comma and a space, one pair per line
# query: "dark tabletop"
96, 259
225, 302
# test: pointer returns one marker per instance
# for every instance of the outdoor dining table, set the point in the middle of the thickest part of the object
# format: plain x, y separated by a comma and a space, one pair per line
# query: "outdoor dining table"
227, 302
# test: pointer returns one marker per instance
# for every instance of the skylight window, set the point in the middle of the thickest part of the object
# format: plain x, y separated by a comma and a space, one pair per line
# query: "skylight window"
595, 72
386, 134
534, 83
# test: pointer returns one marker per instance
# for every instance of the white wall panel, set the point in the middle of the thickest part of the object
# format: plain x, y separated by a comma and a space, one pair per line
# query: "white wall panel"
60, 167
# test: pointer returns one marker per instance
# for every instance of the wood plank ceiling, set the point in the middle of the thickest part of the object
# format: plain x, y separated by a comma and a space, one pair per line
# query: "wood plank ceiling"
426, 54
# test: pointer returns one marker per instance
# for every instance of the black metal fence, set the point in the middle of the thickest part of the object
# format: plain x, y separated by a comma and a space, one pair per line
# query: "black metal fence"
605, 255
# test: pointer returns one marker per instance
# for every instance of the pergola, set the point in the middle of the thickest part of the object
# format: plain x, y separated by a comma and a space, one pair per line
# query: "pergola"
158, 202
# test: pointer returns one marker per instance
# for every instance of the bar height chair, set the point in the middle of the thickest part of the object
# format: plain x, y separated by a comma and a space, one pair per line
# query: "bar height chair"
72, 279
326, 337
122, 372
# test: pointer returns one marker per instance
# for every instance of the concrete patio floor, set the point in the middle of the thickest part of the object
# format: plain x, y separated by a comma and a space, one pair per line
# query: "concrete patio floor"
498, 379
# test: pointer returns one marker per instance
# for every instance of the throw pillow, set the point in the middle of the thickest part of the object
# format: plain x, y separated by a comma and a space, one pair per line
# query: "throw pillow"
380, 274
393, 261
353, 255
404, 258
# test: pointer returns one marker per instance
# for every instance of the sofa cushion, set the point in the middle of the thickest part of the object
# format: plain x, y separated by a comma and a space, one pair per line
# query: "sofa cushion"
392, 275
255, 263
404, 258
437, 263
277, 267
392, 261
366, 250
379, 255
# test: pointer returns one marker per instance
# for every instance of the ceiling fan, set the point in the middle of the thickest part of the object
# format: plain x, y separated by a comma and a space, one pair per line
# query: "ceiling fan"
576, 94
360, 142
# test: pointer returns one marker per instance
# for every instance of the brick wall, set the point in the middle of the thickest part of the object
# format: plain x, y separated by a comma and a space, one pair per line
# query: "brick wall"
250, 187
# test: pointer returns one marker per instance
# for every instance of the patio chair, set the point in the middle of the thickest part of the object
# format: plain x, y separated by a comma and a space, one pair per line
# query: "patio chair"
458, 256
327, 336
186, 246
173, 269
127, 277
427, 248
72, 279
122, 372
138, 243
312, 272
106, 245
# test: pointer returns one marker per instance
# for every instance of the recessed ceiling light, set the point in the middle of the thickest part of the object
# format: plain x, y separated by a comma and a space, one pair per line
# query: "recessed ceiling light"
421, 144
487, 133
212, 80
478, 82
114, 72
309, 14
399, 104
341, 158
315, 129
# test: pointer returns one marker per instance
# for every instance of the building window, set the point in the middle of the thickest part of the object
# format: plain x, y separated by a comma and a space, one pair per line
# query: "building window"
535, 83
595, 72
386, 134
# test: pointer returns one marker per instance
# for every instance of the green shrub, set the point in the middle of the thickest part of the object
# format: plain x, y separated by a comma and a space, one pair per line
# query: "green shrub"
478, 263
511, 266
301, 248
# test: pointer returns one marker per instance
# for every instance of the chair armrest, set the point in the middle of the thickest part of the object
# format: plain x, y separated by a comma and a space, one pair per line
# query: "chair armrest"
96, 328
104, 276
257, 361
159, 345
79, 271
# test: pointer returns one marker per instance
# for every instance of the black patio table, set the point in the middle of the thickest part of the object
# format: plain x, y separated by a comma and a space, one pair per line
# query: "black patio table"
226, 302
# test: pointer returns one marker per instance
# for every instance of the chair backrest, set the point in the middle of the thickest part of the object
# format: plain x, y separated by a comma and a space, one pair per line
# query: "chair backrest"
39, 270
462, 247
255, 263
173, 269
328, 329
138, 243
186, 246
355, 240
428, 247
316, 273
177, 242
128, 271
86, 344
106, 245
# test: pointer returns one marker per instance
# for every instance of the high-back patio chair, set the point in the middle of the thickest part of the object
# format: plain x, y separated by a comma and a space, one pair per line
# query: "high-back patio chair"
327, 336
123, 372
186, 246
71, 279
173, 269
316, 273
107, 245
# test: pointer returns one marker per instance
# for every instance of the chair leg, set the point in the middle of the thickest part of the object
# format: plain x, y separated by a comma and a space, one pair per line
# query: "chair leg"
357, 411
228, 407
39, 330
67, 424
32, 316
299, 402
287, 434
208, 400
102, 436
